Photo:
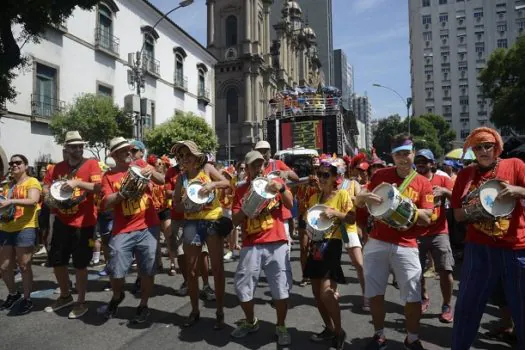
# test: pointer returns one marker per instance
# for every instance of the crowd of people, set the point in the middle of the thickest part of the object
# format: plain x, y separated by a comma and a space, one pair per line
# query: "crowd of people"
207, 213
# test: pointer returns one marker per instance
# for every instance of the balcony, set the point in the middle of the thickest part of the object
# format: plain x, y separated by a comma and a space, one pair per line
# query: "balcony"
45, 107
151, 65
106, 42
180, 82
482, 113
203, 95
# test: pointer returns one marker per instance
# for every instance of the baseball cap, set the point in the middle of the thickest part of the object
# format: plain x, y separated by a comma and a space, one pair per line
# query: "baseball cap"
138, 145
252, 156
425, 152
262, 145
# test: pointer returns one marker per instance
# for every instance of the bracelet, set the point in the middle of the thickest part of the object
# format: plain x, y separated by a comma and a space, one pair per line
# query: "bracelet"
282, 190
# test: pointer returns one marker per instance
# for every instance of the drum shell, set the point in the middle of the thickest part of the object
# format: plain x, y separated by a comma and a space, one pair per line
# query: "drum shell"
253, 203
401, 214
132, 185
54, 202
7, 208
316, 234
192, 207
473, 205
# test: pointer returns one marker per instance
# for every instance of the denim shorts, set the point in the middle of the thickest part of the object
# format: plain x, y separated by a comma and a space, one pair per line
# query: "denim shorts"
142, 243
196, 232
21, 239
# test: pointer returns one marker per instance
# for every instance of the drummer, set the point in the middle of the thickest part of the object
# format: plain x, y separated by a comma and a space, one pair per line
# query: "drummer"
323, 265
264, 247
390, 248
495, 249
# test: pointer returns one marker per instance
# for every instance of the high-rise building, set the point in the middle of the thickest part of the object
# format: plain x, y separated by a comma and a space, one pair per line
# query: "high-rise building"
362, 109
317, 14
343, 76
450, 42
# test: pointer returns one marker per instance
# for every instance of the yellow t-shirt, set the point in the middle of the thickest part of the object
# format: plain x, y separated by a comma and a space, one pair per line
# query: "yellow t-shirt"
25, 217
213, 210
342, 202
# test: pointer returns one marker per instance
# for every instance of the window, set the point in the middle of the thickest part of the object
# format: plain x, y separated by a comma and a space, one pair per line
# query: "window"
463, 101
149, 120
427, 36
461, 56
45, 101
232, 105
427, 19
442, 2
502, 43
443, 17
149, 46
447, 109
202, 82
104, 90
231, 31
465, 133
478, 14
480, 48
502, 27
425, 3
179, 68
105, 27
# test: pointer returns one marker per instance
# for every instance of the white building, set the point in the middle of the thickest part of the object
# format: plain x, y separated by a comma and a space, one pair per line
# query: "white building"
361, 138
363, 111
89, 54
450, 42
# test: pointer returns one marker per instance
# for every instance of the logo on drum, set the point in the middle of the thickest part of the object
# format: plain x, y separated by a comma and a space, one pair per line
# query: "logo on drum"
391, 194
489, 201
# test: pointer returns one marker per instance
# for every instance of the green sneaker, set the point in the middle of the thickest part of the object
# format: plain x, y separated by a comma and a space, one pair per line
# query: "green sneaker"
60, 303
244, 328
283, 337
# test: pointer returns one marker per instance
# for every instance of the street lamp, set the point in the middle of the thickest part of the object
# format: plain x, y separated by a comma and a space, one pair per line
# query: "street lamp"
136, 73
407, 102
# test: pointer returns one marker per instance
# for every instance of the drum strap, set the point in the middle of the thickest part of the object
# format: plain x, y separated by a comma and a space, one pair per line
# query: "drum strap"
75, 169
10, 213
408, 180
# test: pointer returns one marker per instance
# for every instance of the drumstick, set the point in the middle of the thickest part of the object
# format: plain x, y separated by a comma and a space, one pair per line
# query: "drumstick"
302, 180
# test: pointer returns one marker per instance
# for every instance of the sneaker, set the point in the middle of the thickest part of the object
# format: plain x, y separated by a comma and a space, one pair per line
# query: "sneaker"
416, 345
304, 282
107, 287
245, 328
60, 303
78, 311
446, 314
18, 276
366, 304
207, 293
104, 272
142, 315
338, 342
425, 305
325, 335
377, 343
25, 307
183, 290
41, 251
136, 286
228, 256
10, 301
429, 273
283, 337
112, 308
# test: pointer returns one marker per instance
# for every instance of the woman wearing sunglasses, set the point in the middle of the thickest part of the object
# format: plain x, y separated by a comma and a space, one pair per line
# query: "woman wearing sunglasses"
18, 225
323, 266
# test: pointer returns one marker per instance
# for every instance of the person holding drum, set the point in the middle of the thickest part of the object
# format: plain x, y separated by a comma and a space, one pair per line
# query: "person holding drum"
18, 226
401, 202
195, 194
436, 240
331, 215
258, 207
70, 191
490, 197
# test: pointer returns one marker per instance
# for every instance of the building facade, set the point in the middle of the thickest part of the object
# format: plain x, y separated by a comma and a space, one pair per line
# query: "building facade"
343, 76
89, 54
362, 109
253, 67
450, 42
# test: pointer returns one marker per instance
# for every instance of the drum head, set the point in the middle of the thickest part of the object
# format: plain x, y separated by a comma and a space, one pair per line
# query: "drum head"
387, 192
58, 193
497, 208
316, 220
259, 186
193, 193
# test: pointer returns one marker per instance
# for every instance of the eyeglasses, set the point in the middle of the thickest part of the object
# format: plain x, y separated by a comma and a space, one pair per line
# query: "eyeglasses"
15, 162
483, 146
134, 150
323, 174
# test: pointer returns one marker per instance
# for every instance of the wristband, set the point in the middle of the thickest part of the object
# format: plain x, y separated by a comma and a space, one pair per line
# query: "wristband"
283, 189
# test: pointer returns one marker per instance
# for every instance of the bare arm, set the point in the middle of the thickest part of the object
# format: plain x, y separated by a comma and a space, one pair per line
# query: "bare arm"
219, 181
177, 196
112, 200
291, 175
34, 197
424, 217
459, 215
238, 218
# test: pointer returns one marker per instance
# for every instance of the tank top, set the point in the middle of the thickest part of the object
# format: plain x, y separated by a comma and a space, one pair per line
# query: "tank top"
212, 211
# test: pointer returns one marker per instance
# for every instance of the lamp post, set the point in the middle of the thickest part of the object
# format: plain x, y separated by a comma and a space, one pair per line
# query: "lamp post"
136, 73
407, 102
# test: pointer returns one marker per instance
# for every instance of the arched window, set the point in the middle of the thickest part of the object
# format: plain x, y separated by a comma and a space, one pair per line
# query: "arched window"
179, 67
105, 27
202, 82
231, 31
149, 46
232, 105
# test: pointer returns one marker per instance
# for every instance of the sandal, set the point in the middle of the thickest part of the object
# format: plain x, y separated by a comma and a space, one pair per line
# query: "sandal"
219, 321
502, 334
192, 319
173, 270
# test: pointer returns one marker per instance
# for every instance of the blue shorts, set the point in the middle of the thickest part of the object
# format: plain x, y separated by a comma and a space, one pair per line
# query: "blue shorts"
295, 209
195, 232
142, 243
21, 239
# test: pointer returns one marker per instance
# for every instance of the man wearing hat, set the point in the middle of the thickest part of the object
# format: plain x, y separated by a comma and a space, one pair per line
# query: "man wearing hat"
436, 240
74, 226
264, 247
135, 230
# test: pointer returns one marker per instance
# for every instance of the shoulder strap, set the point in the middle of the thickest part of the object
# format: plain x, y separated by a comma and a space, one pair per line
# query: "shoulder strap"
184, 180
408, 180
75, 169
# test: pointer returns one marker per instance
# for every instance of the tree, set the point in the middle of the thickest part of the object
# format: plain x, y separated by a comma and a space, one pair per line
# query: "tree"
386, 128
97, 119
30, 19
444, 132
180, 127
503, 82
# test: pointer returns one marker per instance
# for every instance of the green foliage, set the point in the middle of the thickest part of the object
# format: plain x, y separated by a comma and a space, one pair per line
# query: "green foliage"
386, 129
97, 119
34, 17
180, 127
503, 82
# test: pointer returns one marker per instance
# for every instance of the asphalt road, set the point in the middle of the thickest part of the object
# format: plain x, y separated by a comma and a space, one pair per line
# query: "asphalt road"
40, 330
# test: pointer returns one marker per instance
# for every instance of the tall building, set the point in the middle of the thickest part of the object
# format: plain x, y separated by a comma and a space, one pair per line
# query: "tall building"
450, 42
318, 15
343, 77
362, 109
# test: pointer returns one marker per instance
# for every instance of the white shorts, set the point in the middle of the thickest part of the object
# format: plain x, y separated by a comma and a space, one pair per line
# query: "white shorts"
353, 241
381, 257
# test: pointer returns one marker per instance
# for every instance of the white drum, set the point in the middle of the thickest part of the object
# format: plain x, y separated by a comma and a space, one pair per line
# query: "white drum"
194, 201
318, 225
257, 198
481, 204
273, 175
396, 210
134, 184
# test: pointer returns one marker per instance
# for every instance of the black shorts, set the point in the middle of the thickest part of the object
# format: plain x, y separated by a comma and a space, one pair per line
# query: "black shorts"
43, 217
164, 214
329, 266
301, 222
68, 241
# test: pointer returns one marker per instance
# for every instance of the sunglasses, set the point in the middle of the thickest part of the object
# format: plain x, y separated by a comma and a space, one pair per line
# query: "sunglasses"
323, 175
483, 146
16, 162
134, 150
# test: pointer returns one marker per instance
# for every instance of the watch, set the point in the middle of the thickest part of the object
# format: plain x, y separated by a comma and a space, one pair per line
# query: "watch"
282, 189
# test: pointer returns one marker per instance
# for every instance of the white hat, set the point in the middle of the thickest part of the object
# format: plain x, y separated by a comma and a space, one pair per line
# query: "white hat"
73, 138
118, 143
262, 145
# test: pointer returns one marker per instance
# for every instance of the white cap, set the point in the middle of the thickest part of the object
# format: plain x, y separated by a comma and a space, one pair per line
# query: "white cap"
262, 145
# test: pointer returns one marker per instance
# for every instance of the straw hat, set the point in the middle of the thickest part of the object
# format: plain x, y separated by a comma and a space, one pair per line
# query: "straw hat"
192, 146
118, 143
73, 138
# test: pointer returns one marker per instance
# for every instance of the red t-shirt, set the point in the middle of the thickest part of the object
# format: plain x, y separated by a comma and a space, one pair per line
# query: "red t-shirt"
171, 179
510, 232
130, 214
439, 223
267, 227
274, 165
85, 213
419, 191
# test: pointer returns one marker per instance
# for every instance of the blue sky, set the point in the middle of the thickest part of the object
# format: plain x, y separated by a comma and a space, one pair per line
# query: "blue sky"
373, 33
